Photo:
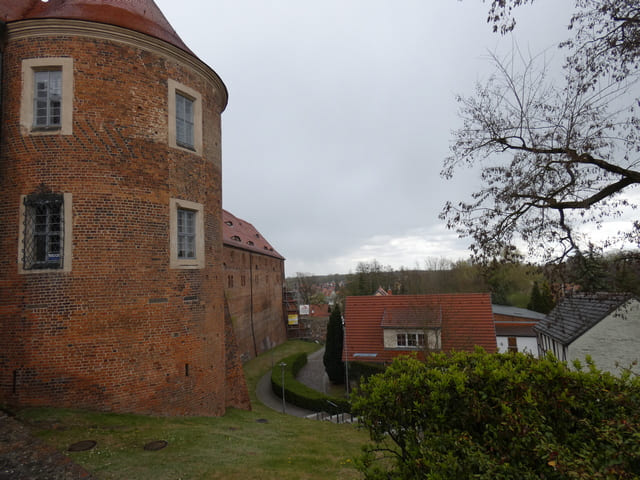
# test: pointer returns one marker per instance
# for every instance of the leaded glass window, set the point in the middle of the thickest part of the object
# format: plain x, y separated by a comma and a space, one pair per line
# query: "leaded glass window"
43, 232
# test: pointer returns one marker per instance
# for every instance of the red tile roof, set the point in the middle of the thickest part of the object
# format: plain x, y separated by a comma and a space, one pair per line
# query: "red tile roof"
143, 16
319, 310
240, 234
425, 316
466, 321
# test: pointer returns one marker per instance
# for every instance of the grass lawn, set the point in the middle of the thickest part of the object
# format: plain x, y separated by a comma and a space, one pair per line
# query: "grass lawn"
239, 445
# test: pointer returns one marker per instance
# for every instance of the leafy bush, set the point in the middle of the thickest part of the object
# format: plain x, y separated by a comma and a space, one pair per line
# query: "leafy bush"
299, 394
491, 416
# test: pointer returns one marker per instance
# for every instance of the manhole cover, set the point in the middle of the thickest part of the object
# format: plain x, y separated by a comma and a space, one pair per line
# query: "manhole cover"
262, 420
155, 445
82, 446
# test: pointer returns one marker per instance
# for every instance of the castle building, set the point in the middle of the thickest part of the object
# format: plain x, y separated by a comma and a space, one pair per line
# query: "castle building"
111, 282
254, 287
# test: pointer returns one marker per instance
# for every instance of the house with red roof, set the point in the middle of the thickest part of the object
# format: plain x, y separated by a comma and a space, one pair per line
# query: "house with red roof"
379, 328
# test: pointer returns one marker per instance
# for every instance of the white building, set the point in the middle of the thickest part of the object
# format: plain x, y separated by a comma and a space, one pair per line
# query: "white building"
604, 326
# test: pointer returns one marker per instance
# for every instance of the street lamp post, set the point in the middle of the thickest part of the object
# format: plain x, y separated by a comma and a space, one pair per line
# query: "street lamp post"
346, 354
282, 365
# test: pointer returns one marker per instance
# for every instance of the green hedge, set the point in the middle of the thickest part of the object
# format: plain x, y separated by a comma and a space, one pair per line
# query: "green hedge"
361, 370
299, 394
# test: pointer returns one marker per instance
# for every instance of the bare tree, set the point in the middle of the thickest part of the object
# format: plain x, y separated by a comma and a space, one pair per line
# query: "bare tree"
554, 155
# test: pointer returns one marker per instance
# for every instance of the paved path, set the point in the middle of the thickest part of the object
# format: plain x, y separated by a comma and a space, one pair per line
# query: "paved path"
312, 375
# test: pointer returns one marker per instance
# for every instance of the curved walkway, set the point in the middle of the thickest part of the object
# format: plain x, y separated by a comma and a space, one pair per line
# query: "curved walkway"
312, 375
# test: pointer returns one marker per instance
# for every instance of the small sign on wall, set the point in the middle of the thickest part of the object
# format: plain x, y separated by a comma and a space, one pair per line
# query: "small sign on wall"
293, 319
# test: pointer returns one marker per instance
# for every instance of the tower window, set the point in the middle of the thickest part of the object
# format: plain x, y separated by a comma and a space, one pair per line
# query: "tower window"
186, 228
47, 99
186, 233
184, 121
43, 232
46, 105
184, 117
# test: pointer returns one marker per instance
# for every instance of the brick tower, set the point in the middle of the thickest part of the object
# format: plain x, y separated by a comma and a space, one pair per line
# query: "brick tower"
111, 294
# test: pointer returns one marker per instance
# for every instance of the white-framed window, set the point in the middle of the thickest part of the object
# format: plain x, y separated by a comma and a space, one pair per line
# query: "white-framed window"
184, 117
412, 340
45, 233
47, 96
186, 230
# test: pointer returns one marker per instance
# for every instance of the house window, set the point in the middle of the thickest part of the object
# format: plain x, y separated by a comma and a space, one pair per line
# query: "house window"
46, 106
45, 232
229, 281
186, 233
412, 340
186, 230
184, 118
47, 99
513, 344
184, 121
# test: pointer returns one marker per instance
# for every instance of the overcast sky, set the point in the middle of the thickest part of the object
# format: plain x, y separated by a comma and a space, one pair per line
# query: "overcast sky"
340, 115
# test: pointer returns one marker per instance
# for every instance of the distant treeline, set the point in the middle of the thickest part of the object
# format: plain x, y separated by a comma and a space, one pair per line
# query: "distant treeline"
509, 282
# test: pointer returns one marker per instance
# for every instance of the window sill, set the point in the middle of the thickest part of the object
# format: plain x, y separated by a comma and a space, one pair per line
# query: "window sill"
185, 146
35, 271
46, 131
195, 265
411, 349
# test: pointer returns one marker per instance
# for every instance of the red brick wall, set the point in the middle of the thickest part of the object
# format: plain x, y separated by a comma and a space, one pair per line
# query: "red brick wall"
122, 331
253, 287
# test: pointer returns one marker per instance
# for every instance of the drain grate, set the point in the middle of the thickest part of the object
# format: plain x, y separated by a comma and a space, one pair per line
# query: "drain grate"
155, 445
82, 446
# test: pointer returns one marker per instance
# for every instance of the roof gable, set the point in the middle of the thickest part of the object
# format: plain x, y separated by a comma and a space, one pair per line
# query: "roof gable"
576, 314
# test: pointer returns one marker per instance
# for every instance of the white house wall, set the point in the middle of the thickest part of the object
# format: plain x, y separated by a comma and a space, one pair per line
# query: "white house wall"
614, 340
525, 345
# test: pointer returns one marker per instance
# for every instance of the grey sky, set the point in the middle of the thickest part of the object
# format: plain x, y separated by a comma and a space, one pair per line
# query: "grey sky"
340, 115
